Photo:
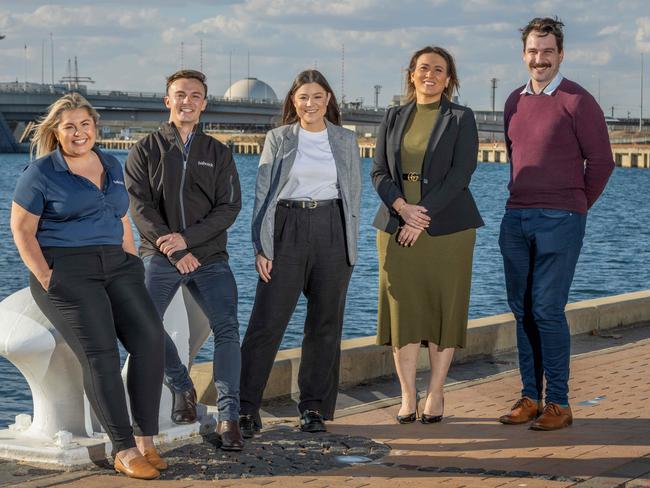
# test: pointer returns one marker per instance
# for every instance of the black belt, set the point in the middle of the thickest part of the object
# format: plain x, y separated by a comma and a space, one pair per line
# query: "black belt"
308, 203
413, 177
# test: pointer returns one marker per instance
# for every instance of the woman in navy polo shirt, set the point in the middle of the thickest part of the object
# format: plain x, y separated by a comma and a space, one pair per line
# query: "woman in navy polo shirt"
70, 226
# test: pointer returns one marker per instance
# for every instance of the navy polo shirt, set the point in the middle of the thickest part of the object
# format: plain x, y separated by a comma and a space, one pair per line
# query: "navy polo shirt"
74, 212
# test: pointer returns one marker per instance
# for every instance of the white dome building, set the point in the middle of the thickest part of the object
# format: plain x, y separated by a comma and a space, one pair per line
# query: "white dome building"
250, 89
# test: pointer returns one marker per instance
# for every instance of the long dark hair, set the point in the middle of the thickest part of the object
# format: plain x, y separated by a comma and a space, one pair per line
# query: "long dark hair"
289, 115
454, 84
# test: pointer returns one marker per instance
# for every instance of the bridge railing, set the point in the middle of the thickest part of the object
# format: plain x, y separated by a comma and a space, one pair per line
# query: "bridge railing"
45, 89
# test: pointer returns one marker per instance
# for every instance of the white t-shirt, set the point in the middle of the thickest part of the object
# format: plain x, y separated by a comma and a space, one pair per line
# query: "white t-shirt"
313, 174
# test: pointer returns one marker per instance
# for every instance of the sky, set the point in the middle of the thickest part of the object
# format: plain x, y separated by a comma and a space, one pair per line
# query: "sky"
133, 45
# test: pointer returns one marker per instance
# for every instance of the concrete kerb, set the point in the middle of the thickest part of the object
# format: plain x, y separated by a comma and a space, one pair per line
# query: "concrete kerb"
362, 360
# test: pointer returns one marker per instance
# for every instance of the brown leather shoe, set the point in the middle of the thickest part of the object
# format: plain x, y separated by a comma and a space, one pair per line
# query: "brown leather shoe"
553, 417
524, 410
184, 407
153, 457
231, 438
138, 468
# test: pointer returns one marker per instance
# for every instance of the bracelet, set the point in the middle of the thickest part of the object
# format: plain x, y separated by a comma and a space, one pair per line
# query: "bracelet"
399, 212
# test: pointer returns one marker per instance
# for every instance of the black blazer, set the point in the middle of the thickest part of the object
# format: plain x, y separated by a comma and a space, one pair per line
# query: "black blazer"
449, 161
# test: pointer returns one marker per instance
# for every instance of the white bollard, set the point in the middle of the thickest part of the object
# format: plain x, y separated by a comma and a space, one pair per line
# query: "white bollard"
64, 431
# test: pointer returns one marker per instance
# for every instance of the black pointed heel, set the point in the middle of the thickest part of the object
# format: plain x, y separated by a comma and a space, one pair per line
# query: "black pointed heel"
433, 419
430, 419
407, 419
411, 417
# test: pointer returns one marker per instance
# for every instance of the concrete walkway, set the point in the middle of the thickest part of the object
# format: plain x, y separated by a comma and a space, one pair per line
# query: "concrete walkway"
607, 446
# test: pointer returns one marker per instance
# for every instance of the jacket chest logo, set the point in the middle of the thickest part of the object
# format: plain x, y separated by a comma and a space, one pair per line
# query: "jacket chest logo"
205, 163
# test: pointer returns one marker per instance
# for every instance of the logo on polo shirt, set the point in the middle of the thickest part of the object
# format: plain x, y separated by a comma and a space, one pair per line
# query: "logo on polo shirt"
205, 163
118, 182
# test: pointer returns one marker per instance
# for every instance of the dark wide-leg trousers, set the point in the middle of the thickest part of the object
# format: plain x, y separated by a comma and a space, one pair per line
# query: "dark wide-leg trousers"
97, 296
310, 257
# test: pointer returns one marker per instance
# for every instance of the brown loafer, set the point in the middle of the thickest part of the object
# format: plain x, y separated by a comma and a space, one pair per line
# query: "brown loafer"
184, 407
151, 454
524, 410
138, 468
553, 417
231, 438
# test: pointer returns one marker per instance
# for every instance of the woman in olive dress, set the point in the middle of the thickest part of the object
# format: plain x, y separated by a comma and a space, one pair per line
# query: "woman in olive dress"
426, 153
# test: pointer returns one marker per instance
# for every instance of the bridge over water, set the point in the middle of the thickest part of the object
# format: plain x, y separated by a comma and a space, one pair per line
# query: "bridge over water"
21, 106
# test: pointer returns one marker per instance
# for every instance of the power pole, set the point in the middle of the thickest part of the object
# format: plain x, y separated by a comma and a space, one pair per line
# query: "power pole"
494, 91
377, 90
25, 67
201, 56
612, 111
52, 56
342, 101
42, 61
230, 74
182, 55
641, 112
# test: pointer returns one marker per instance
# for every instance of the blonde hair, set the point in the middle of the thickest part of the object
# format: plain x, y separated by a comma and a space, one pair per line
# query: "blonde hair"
44, 140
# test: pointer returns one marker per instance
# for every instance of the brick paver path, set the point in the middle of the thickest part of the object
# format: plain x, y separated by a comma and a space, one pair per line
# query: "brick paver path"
610, 397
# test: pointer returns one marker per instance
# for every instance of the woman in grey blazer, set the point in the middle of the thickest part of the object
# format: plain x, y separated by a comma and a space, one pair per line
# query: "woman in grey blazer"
305, 228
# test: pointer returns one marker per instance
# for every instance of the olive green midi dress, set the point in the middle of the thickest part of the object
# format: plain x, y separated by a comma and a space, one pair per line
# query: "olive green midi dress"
424, 289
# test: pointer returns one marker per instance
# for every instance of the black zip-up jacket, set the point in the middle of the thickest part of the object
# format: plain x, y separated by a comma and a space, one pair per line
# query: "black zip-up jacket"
195, 193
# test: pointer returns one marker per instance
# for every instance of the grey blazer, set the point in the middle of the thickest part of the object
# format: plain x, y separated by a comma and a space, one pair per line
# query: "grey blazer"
277, 158
449, 161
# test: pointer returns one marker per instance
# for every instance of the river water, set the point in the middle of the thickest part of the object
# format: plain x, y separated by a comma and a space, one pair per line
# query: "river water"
615, 256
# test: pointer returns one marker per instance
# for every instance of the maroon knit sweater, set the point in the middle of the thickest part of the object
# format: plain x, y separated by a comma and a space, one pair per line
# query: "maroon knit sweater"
558, 147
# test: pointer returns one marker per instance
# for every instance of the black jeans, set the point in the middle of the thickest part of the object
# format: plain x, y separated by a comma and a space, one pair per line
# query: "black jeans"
97, 295
310, 257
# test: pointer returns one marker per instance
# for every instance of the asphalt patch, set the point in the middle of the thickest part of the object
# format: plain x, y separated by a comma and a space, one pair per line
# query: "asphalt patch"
275, 451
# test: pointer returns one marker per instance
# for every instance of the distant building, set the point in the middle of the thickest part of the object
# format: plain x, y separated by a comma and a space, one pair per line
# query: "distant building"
250, 89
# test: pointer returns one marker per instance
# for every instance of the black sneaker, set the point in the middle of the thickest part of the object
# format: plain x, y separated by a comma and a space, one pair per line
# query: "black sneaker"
248, 426
312, 421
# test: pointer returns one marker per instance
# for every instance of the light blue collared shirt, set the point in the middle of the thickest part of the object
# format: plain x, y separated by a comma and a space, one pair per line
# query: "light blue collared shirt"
550, 88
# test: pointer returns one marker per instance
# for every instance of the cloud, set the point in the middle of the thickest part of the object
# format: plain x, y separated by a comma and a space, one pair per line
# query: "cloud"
610, 29
283, 8
589, 56
479, 5
642, 37
99, 17
221, 26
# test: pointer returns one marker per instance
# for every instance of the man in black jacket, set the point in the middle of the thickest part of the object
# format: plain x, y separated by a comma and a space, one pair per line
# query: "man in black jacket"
184, 191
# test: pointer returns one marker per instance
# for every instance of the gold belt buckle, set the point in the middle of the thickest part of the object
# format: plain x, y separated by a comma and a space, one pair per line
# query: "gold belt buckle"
413, 177
313, 204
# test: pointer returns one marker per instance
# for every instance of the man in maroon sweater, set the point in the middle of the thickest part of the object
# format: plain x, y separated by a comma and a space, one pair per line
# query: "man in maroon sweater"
560, 161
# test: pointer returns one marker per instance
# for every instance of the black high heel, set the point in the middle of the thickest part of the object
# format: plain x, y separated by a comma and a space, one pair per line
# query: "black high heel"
407, 419
411, 417
433, 419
